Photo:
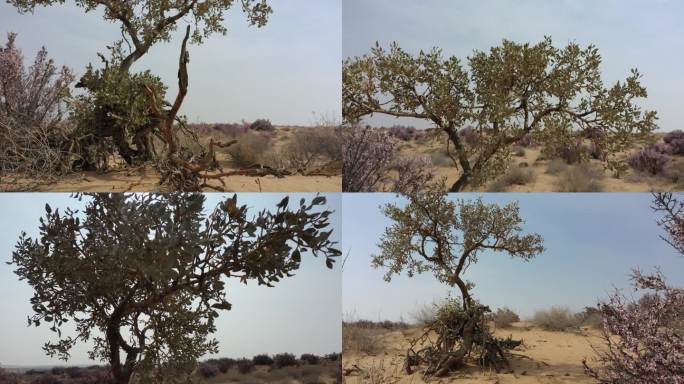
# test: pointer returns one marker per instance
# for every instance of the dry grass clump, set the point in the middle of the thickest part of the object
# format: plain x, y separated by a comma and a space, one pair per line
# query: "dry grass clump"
579, 178
556, 319
358, 339
515, 176
556, 166
249, 149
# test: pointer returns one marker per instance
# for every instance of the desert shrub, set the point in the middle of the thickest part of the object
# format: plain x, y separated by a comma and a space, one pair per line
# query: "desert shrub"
596, 152
225, 129
224, 364
504, 317
644, 339
311, 144
579, 178
572, 153
33, 372
74, 372
310, 358
208, 370
358, 339
424, 315
413, 173
262, 359
441, 159
556, 166
284, 360
470, 136
555, 319
366, 153
249, 149
244, 365
590, 317
34, 134
675, 142
525, 141
405, 133
8, 377
261, 125
333, 356
47, 379
57, 370
648, 161
515, 176
518, 151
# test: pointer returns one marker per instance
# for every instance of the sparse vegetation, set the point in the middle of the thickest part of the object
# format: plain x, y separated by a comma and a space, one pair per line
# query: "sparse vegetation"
515, 176
496, 100
648, 161
504, 317
579, 178
556, 319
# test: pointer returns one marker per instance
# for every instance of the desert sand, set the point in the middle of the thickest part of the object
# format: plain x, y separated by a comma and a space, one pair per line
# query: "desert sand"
544, 358
434, 146
327, 176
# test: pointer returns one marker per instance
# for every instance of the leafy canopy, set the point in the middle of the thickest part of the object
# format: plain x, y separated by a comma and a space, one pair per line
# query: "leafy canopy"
554, 94
146, 273
434, 234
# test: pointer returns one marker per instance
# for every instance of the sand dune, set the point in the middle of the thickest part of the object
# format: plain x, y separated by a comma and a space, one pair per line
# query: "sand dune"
544, 358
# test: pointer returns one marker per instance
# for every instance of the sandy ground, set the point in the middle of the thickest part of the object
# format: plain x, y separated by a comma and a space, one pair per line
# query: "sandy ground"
119, 178
434, 146
545, 358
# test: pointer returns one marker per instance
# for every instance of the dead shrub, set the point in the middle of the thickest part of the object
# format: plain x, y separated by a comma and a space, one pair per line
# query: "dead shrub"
556, 319
579, 178
249, 149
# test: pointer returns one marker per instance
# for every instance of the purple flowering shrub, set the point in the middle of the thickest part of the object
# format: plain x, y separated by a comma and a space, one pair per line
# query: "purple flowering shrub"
33, 127
648, 161
366, 154
649, 347
414, 173
405, 133
675, 142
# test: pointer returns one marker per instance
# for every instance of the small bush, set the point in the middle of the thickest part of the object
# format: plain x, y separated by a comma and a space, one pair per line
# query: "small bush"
358, 339
596, 152
505, 317
8, 377
366, 154
572, 153
224, 364
579, 179
515, 176
441, 159
245, 365
284, 360
525, 142
262, 125
333, 356
470, 136
47, 380
555, 319
310, 358
405, 133
249, 148
648, 161
590, 317
675, 142
311, 144
556, 166
208, 370
262, 360
413, 173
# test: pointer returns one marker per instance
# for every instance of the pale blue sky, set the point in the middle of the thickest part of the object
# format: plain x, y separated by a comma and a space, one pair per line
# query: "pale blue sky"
302, 314
645, 34
283, 71
592, 242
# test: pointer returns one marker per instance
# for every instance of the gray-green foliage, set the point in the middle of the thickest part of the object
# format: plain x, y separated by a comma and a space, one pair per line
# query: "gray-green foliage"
145, 274
433, 234
144, 23
514, 90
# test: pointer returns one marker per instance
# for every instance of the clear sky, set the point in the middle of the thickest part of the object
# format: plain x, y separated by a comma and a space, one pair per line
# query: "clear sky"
592, 242
302, 314
645, 34
283, 71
